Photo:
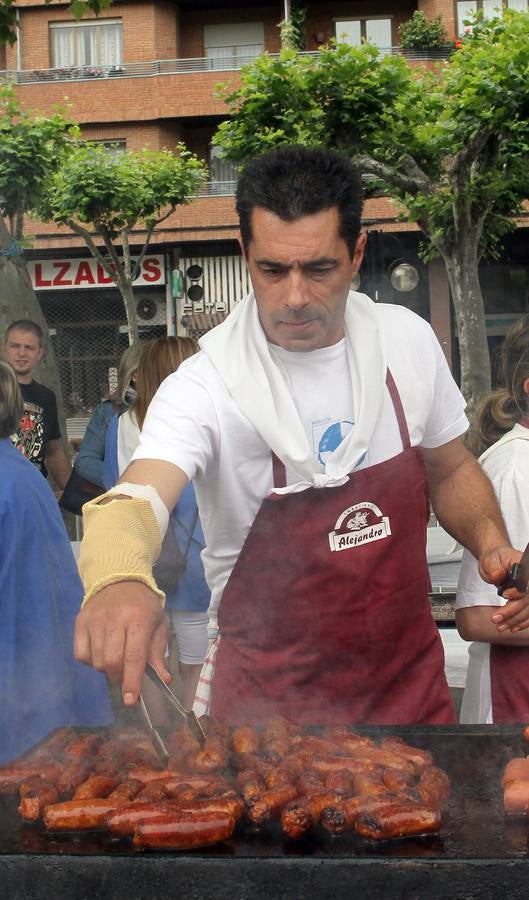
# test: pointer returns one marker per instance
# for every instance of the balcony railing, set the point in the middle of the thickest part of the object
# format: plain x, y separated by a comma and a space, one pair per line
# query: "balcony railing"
178, 66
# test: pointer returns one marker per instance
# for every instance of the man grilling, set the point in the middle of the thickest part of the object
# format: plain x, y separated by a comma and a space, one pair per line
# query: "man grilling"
316, 560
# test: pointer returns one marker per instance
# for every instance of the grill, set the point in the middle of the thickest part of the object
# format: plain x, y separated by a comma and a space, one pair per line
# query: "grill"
478, 853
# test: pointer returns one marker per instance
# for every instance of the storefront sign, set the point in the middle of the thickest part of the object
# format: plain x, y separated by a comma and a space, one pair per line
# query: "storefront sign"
68, 274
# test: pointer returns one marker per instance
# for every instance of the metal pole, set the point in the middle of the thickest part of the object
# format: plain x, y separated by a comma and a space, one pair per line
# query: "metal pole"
287, 10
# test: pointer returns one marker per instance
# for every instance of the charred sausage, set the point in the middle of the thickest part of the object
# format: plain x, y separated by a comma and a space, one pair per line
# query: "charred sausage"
271, 804
396, 821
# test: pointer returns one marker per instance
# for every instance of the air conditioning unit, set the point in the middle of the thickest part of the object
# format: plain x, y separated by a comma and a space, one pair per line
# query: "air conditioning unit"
151, 311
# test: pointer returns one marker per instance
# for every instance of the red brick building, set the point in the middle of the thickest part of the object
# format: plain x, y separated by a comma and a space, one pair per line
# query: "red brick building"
144, 73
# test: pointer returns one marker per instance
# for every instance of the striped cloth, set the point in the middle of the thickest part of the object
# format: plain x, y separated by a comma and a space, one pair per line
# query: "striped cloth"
203, 694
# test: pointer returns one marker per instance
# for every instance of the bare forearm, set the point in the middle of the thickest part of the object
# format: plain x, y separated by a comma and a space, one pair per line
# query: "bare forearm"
474, 624
465, 504
58, 465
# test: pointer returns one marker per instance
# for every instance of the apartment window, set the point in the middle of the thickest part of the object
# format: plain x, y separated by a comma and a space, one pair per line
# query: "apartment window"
114, 148
230, 46
490, 8
223, 172
356, 31
86, 43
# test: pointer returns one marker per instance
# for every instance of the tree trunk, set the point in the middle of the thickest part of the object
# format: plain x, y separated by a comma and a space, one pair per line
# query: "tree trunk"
127, 292
19, 301
462, 270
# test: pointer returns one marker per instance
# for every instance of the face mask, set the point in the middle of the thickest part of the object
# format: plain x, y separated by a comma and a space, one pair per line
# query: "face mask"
129, 396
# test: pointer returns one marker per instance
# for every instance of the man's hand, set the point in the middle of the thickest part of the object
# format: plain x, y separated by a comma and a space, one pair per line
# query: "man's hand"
118, 630
494, 567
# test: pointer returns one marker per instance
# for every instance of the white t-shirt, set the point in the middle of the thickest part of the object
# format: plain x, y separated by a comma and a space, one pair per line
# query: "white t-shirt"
194, 423
507, 465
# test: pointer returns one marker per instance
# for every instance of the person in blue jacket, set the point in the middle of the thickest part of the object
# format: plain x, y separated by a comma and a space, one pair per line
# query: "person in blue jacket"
43, 687
179, 571
89, 461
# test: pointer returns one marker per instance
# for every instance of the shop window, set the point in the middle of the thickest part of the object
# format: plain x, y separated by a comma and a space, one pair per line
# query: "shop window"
231, 46
355, 31
86, 43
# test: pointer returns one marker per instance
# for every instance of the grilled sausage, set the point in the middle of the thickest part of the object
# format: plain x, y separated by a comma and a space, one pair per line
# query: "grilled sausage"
245, 740
148, 773
152, 792
516, 796
433, 787
212, 758
123, 821
35, 795
517, 769
125, 791
341, 816
74, 773
396, 821
369, 784
78, 815
303, 814
341, 781
420, 759
395, 781
12, 775
182, 831
230, 805
95, 786
271, 804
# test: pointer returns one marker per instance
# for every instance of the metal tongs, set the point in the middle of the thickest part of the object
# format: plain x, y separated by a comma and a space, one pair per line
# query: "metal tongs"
518, 576
192, 722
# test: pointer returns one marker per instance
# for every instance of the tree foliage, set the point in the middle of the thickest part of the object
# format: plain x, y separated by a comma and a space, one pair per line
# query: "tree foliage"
107, 197
449, 145
420, 32
31, 148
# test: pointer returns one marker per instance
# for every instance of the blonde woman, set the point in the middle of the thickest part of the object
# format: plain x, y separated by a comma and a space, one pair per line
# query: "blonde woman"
179, 571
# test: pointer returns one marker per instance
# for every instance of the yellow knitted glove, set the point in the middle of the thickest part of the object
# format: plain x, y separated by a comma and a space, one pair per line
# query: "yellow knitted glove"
121, 542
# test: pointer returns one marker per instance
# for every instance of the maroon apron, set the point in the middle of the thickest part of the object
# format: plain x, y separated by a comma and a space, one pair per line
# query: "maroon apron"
509, 684
325, 618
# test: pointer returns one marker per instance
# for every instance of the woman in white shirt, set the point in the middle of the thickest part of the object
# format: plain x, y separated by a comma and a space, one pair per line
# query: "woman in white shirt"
497, 686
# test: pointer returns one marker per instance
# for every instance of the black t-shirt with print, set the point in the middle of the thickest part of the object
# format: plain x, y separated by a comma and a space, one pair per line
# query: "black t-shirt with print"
39, 423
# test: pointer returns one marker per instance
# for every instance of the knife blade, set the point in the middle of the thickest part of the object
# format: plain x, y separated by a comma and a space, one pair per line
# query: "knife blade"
518, 576
192, 722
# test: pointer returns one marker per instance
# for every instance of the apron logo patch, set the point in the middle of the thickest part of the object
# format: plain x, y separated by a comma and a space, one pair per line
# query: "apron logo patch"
359, 524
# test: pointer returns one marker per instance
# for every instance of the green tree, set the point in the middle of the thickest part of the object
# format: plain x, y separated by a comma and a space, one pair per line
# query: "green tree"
110, 198
31, 148
450, 146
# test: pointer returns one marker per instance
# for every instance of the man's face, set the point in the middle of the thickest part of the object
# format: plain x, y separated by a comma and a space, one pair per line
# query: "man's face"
22, 351
301, 273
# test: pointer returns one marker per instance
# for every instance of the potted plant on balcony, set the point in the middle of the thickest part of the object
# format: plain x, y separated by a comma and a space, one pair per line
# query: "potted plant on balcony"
422, 34
91, 72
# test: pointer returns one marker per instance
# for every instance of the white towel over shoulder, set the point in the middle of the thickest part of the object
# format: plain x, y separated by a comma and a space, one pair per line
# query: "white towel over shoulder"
239, 350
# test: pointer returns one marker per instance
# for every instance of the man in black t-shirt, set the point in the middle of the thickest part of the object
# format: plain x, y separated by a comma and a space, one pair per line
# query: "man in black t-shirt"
38, 436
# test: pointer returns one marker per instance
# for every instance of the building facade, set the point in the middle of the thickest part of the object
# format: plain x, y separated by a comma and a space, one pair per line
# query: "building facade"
144, 74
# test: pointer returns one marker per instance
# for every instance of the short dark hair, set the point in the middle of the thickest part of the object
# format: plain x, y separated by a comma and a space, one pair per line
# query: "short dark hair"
294, 181
11, 403
27, 325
